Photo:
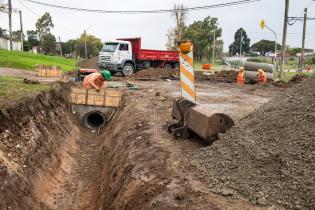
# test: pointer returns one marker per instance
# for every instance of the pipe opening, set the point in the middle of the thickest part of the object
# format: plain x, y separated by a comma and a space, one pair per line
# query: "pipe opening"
95, 120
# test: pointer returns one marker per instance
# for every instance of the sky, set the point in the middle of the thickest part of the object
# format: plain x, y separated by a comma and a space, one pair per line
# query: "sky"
153, 27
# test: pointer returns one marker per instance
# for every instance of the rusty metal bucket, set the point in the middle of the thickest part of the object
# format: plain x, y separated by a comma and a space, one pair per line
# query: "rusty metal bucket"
199, 119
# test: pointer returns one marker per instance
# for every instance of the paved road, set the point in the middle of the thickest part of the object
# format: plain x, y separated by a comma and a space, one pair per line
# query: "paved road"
26, 74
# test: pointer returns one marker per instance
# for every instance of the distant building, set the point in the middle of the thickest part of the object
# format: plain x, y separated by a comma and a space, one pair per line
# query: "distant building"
5, 45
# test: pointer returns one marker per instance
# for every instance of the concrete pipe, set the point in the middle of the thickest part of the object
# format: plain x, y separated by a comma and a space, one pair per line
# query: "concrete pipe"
252, 66
251, 75
95, 119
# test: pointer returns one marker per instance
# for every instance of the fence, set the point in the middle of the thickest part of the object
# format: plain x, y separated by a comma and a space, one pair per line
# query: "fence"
5, 45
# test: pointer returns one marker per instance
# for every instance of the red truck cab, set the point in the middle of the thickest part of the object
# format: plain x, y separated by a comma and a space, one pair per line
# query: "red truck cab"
125, 55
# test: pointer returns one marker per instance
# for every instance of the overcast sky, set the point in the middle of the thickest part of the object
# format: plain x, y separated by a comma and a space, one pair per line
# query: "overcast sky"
152, 27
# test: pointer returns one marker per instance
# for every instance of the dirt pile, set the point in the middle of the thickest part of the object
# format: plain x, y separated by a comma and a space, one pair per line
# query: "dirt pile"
155, 73
89, 63
296, 79
268, 157
219, 76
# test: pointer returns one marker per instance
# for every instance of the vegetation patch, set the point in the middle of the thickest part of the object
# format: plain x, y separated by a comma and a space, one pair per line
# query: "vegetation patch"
28, 61
14, 88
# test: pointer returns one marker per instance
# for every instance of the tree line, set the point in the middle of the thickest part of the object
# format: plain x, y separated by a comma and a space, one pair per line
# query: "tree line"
201, 33
45, 42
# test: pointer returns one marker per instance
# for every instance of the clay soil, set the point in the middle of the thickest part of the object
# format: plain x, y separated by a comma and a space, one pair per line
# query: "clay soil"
49, 161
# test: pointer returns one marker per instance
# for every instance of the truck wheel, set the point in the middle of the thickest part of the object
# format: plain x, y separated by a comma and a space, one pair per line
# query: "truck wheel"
168, 66
128, 69
176, 66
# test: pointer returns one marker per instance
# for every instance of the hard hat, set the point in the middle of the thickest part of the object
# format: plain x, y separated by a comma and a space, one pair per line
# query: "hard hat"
260, 71
106, 74
242, 68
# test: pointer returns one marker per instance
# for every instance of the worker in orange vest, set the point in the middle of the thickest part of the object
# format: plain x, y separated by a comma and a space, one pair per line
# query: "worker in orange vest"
241, 77
96, 80
262, 78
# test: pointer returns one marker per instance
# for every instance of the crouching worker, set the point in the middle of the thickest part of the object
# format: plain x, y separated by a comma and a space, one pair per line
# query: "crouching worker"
262, 78
96, 80
241, 77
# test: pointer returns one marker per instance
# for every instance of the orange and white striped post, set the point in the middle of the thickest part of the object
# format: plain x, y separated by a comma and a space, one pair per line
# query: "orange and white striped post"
187, 75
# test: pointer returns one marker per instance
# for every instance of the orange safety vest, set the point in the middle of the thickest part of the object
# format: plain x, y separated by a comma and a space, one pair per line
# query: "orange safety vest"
96, 78
240, 78
262, 78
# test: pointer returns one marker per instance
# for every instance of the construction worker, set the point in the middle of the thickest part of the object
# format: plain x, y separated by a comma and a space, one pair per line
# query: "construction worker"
96, 80
262, 79
241, 77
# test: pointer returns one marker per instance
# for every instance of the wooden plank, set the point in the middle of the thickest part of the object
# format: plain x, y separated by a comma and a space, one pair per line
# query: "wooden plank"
110, 98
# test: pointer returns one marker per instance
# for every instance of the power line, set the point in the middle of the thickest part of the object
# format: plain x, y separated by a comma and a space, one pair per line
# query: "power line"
234, 3
37, 15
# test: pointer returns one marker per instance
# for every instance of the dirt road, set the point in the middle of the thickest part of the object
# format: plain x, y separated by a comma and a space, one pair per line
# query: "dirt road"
26, 74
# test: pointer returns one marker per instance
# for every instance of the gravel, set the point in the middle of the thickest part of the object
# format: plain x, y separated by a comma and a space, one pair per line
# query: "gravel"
268, 156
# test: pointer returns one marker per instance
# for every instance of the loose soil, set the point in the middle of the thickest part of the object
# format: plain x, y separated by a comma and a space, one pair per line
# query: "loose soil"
89, 63
218, 76
268, 157
132, 164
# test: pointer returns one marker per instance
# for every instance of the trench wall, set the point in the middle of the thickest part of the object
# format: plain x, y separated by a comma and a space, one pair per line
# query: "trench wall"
31, 132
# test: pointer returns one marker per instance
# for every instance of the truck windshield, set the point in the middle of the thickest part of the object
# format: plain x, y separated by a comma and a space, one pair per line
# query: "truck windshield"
109, 47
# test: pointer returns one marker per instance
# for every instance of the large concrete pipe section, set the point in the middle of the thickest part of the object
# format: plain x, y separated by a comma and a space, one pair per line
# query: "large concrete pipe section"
251, 69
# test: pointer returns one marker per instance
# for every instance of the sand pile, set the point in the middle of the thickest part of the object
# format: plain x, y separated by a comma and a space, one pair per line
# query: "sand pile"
269, 156
155, 73
89, 63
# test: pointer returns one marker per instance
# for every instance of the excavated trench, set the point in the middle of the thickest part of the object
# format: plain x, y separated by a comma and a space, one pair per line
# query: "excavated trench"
48, 160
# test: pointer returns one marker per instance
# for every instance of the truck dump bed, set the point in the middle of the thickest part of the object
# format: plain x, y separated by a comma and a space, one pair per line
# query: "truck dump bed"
144, 54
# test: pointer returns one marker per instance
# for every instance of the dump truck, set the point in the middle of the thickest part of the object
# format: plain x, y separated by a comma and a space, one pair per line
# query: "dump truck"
126, 56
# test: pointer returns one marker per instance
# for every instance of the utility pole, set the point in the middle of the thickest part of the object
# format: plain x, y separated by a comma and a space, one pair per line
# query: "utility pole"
22, 35
303, 39
284, 37
60, 46
213, 48
10, 23
85, 47
241, 46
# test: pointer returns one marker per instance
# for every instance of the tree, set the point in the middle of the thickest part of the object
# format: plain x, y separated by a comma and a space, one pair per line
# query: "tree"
48, 43
16, 35
3, 33
32, 39
174, 35
201, 33
69, 47
94, 45
43, 26
264, 46
234, 48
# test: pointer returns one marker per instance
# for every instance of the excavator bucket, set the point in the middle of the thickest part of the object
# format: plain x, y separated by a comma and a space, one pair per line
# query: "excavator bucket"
199, 119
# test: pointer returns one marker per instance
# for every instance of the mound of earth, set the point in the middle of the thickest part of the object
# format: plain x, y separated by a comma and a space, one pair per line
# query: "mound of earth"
155, 73
269, 156
219, 76
293, 81
89, 63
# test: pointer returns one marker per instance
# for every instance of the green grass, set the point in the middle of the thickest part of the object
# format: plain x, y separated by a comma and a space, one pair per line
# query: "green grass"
27, 61
12, 88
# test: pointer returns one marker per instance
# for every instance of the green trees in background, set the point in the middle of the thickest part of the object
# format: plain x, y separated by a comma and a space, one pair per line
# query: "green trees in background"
240, 37
94, 45
264, 46
202, 35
